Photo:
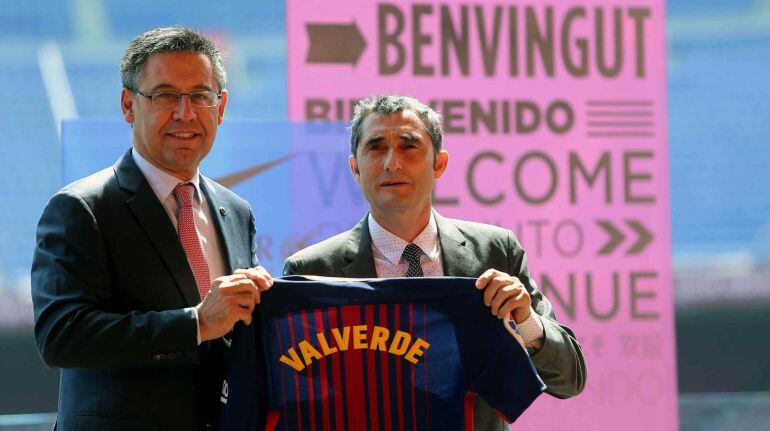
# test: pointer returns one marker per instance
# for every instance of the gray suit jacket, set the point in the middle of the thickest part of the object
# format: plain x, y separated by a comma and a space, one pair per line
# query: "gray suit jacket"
468, 249
110, 280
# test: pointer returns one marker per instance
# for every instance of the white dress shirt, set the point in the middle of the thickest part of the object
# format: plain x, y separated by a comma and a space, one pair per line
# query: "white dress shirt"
163, 184
388, 249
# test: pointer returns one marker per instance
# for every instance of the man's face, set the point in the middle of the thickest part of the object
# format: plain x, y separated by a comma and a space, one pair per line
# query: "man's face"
394, 163
174, 139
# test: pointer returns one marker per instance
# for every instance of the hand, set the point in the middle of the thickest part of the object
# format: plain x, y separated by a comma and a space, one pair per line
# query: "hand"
231, 298
505, 295
259, 276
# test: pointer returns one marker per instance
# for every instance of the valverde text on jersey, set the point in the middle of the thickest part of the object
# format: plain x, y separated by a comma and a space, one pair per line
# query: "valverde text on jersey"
399, 344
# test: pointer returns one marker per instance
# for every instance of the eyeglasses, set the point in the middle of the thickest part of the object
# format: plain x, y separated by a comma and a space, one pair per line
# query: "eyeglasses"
170, 99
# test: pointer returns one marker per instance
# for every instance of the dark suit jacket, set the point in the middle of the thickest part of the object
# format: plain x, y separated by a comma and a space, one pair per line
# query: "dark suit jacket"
468, 249
110, 280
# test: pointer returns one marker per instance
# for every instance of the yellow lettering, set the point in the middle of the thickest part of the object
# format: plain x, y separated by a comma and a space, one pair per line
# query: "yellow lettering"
342, 340
400, 343
416, 350
359, 337
309, 352
324, 345
379, 337
294, 362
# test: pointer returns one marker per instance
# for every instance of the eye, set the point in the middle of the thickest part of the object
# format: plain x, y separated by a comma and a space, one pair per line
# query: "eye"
165, 97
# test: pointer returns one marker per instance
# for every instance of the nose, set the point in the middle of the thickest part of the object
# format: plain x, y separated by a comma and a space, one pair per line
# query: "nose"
184, 109
392, 161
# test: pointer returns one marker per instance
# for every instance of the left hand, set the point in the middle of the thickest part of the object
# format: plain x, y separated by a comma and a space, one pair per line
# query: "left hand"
505, 294
259, 276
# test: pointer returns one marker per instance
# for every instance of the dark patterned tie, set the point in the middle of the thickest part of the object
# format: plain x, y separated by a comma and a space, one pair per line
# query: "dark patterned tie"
412, 255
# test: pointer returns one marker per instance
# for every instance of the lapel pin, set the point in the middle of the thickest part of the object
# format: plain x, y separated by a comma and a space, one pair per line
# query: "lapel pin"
223, 211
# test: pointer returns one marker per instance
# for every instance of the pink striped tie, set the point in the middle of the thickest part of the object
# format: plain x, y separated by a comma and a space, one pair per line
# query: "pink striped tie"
189, 237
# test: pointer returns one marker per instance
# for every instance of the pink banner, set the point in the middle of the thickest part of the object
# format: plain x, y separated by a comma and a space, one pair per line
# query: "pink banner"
555, 122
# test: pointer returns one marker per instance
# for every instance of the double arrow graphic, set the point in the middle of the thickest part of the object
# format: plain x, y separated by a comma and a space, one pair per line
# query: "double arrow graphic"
335, 43
643, 237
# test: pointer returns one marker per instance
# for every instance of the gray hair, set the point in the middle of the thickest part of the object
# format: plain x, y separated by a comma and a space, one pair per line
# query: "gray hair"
163, 40
390, 104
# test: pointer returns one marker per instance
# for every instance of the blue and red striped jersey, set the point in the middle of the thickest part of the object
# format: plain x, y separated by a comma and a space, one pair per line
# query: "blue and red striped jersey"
386, 354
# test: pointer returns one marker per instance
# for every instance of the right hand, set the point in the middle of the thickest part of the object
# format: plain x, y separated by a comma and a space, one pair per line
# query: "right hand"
231, 298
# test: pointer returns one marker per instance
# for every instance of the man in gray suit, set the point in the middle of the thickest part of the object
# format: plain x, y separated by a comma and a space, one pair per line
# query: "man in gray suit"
141, 268
396, 156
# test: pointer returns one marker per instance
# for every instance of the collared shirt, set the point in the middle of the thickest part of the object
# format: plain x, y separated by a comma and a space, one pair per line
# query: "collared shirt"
162, 184
388, 248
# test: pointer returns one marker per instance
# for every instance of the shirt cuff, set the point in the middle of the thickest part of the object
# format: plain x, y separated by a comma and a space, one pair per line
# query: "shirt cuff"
194, 312
532, 331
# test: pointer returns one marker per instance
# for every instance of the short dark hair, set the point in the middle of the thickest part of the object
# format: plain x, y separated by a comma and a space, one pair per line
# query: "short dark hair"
163, 40
390, 104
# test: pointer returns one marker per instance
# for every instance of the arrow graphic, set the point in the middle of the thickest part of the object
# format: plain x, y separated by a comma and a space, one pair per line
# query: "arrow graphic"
643, 237
615, 237
238, 177
335, 44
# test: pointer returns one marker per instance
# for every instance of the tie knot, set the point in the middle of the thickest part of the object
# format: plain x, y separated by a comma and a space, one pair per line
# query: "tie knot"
183, 192
412, 253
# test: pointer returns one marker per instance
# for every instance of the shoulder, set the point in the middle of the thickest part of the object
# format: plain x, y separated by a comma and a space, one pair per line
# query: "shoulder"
92, 187
89, 192
224, 194
479, 230
323, 258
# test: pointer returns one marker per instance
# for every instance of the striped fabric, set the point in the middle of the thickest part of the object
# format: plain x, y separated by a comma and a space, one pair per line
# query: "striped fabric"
389, 354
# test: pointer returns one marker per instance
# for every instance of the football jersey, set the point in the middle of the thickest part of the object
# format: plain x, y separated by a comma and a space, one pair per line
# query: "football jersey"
383, 354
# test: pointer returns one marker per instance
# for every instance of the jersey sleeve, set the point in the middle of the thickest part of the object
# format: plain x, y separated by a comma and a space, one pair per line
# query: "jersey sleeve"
496, 367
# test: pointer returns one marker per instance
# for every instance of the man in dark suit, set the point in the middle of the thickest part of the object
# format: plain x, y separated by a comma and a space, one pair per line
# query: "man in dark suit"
396, 156
133, 279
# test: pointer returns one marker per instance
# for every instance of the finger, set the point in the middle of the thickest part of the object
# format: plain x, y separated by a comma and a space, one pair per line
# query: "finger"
263, 283
503, 294
259, 275
492, 287
266, 274
243, 299
517, 299
484, 278
245, 316
237, 287
510, 306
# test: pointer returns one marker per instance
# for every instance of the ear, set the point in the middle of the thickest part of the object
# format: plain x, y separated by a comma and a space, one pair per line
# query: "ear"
442, 159
221, 107
354, 169
127, 105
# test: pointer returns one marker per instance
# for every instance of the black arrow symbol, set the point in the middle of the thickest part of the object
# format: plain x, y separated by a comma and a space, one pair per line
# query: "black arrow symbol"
615, 237
644, 237
335, 43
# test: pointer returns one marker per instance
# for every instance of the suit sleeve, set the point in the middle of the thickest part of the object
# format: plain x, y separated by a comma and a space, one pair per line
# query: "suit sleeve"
560, 361
291, 266
253, 239
71, 294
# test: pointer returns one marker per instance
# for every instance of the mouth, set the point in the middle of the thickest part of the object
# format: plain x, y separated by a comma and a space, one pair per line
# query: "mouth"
394, 183
183, 135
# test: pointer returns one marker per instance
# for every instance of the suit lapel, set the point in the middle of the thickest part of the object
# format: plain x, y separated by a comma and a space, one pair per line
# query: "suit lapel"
224, 220
455, 249
358, 251
152, 217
